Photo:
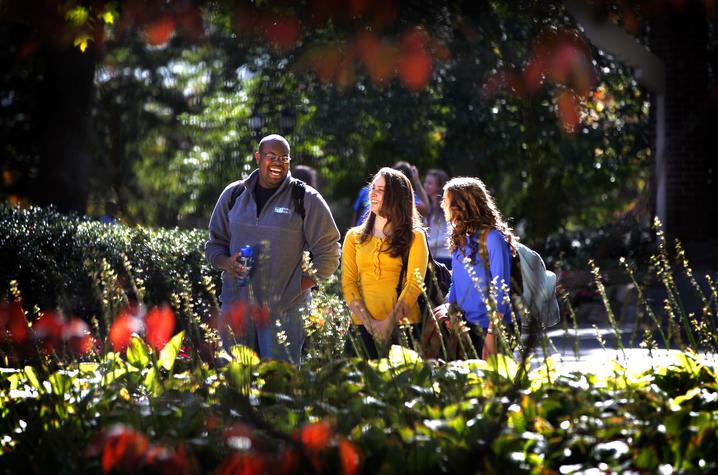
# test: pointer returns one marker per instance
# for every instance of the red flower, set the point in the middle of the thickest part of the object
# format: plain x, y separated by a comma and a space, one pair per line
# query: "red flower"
243, 464
235, 318
349, 457
165, 461
160, 325
13, 322
316, 436
122, 329
47, 330
123, 448
260, 314
78, 337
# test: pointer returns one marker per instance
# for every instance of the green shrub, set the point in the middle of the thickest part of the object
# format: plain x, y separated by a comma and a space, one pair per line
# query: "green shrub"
88, 269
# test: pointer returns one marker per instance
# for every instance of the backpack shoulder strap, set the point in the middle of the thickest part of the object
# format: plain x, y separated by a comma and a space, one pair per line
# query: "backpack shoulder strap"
236, 192
298, 192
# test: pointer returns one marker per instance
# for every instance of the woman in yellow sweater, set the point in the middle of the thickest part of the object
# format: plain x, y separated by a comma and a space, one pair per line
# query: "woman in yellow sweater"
372, 258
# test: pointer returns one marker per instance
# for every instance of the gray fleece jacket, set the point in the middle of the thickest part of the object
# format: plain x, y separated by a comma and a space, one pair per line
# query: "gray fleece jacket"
279, 237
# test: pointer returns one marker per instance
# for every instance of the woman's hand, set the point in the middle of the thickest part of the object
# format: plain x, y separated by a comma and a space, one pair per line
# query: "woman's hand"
383, 329
489, 345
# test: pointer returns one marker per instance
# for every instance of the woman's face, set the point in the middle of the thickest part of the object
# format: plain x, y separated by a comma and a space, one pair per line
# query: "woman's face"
446, 205
431, 185
376, 194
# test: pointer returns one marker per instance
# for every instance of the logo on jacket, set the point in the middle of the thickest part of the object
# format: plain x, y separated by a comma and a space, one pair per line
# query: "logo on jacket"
282, 210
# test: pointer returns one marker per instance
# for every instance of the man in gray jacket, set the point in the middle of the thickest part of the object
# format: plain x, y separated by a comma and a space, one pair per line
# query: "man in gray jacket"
260, 211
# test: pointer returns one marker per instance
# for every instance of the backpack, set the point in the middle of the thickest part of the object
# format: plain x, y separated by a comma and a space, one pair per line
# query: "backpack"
434, 335
532, 284
539, 289
437, 281
298, 190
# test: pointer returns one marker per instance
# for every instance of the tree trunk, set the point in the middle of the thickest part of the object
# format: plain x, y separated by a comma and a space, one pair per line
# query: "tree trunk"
64, 115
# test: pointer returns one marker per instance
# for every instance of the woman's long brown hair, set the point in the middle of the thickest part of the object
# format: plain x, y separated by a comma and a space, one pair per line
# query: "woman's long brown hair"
399, 210
472, 209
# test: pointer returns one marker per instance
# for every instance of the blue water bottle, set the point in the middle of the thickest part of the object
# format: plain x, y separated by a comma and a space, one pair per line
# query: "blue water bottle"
245, 260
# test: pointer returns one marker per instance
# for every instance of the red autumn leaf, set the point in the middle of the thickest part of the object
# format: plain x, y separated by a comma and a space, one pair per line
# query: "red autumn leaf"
235, 317
243, 464
159, 32
160, 323
378, 57
568, 110
122, 329
349, 457
78, 337
282, 32
415, 62
47, 330
325, 61
12, 321
123, 448
315, 437
415, 70
533, 74
260, 314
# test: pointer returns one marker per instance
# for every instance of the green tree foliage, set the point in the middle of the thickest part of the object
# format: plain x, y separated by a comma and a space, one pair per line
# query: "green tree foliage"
509, 92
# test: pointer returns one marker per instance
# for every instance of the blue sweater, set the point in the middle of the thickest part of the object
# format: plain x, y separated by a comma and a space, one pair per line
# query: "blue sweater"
466, 295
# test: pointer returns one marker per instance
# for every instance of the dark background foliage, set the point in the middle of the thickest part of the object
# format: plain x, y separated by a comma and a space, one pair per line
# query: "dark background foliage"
165, 105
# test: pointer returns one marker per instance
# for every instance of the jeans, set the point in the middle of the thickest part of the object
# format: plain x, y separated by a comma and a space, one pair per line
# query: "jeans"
264, 338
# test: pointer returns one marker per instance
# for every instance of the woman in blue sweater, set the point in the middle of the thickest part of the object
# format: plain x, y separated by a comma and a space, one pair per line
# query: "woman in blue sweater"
481, 273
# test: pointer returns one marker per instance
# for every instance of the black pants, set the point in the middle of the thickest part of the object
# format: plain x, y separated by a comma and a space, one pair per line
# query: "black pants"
477, 334
366, 346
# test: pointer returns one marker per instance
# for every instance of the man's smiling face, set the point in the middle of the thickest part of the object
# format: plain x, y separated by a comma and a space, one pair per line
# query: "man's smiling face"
273, 163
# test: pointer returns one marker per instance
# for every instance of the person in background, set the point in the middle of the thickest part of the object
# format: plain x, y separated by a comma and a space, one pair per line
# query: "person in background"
372, 259
478, 268
438, 230
361, 206
264, 217
307, 174
412, 173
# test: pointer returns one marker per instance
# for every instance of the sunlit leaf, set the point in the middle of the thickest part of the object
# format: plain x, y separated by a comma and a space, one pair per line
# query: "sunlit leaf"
82, 41
32, 378
60, 383
400, 356
504, 365
137, 352
108, 17
77, 15
244, 355
168, 355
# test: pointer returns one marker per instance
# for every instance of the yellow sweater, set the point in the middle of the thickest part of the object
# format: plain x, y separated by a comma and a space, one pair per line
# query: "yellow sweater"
370, 274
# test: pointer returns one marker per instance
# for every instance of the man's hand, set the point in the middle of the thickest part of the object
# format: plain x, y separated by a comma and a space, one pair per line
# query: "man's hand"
229, 264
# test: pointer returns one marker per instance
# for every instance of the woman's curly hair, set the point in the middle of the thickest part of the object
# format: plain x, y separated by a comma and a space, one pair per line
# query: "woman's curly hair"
471, 210
399, 210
